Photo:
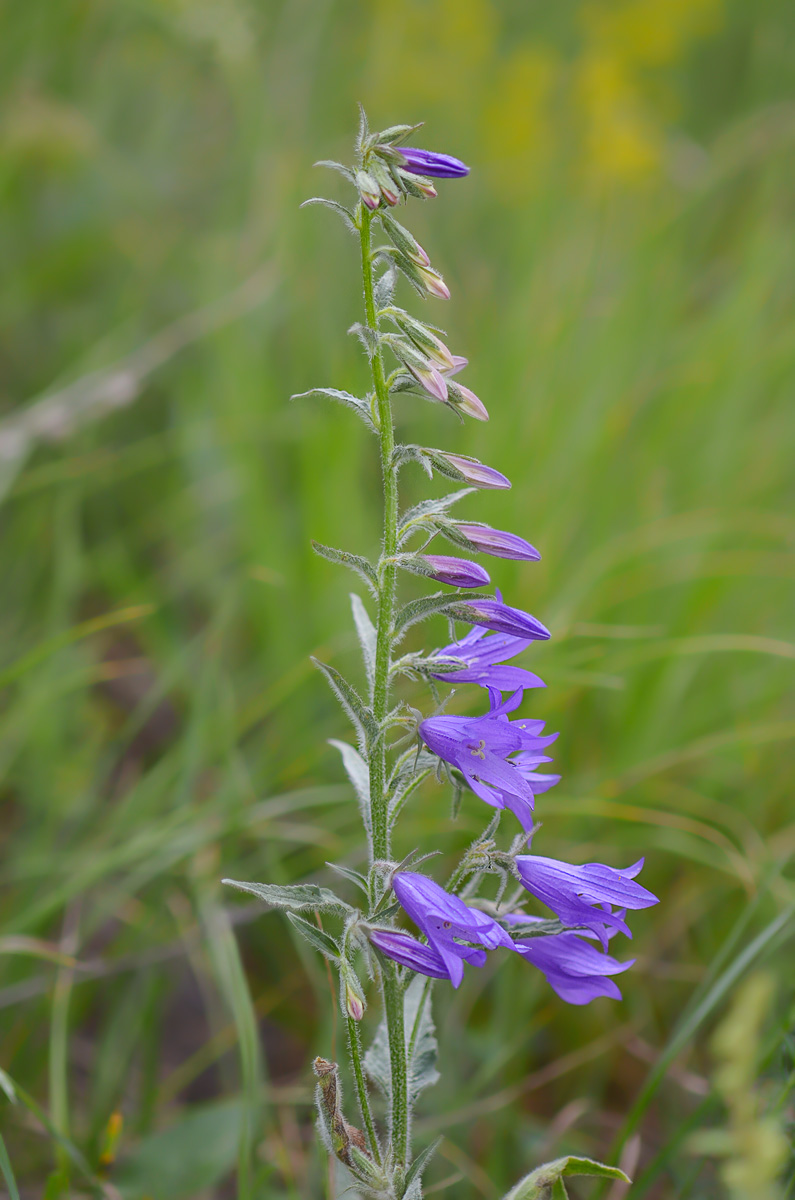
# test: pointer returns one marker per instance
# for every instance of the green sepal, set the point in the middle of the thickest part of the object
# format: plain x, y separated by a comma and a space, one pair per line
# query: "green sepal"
366, 633
430, 508
322, 941
416, 1169
298, 897
356, 562
395, 134
430, 606
541, 1184
354, 876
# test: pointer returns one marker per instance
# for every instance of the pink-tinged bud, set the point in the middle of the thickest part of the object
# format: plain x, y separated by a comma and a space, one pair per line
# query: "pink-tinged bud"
425, 186
471, 470
368, 189
354, 1004
390, 195
458, 572
465, 401
458, 364
434, 283
431, 379
498, 542
420, 257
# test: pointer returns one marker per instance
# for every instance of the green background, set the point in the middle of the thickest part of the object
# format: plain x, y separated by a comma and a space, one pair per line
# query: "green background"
621, 266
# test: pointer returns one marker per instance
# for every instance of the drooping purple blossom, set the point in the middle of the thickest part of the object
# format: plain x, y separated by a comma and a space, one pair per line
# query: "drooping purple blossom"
429, 162
498, 542
447, 922
483, 653
576, 970
480, 748
585, 895
494, 614
458, 572
407, 951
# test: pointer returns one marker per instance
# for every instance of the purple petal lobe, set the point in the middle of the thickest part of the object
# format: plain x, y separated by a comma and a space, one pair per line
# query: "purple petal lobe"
407, 951
498, 542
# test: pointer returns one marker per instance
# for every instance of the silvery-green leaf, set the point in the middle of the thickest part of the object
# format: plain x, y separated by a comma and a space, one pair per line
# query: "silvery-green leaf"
421, 1065
335, 166
359, 406
359, 776
321, 941
366, 633
299, 897
384, 288
367, 336
344, 212
360, 715
348, 873
414, 1176
431, 507
356, 562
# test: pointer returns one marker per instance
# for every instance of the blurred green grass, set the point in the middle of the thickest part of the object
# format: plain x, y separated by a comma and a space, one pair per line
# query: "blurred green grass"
621, 262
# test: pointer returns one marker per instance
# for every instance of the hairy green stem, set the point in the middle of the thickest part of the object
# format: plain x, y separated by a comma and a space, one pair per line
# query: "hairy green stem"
355, 1046
393, 993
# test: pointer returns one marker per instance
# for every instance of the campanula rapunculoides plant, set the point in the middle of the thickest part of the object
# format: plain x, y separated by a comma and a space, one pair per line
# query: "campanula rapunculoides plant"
409, 929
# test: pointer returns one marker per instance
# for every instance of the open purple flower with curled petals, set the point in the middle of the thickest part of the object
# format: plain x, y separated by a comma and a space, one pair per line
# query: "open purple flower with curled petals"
480, 748
484, 653
458, 572
576, 970
447, 923
494, 614
429, 162
498, 542
407, 951
586, 895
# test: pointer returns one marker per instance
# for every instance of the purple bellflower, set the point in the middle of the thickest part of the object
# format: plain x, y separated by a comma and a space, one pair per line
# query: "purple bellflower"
428, 162
407, 951
585, 895
483, 652
493, 614
480, 747
577, 971
458, 572
447, 923
498, 542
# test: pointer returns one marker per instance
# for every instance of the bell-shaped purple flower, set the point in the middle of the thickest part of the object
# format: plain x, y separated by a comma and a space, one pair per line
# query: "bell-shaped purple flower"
586, 895
576, 970
448, 923
410, 953
458, 572
498, 542
483, 652
428, 162
493, 614
480, 748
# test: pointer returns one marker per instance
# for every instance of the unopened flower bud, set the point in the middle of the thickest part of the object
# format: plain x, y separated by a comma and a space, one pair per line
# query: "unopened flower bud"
433, 283
459, 466
417, 184
406, 243
386, 183
431, 379
429, 162
457, 572
458, 365
368, 189
465, 401
354, 1004
498, 542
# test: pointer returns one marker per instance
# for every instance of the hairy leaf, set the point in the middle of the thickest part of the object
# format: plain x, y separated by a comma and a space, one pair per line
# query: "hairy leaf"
368, 337
384, 288
299, 897
431, 606
349, 873
360, 715
367, 637
321, 941
359, 776
344, 212
359, 406
414, 1176
421, 1031
356, 562
335, 166
432, 507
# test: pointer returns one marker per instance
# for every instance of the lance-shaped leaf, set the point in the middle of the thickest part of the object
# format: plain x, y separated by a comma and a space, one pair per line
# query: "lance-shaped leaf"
546, 1183
384, 288
349, 873
365, 631
431, 606
335, 166
428, 508
318, 938
361, 717
359, 406
369, 338
414, 1177
356, 562
299, 897
359, 776
344, 212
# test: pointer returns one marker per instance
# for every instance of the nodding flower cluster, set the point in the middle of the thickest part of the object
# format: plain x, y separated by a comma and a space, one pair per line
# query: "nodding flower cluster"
498, 756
